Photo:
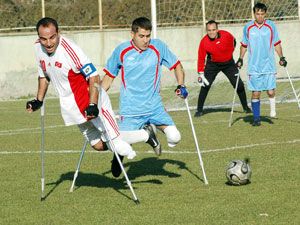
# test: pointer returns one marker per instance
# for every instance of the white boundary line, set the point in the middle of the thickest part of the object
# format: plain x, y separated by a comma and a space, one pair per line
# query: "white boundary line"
190, 151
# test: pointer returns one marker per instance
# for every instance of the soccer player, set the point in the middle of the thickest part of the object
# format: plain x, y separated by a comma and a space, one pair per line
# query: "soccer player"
140, 61
76, 81
217, 48
261, 38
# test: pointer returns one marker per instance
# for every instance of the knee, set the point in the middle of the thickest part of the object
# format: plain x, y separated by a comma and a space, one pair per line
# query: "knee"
173, 135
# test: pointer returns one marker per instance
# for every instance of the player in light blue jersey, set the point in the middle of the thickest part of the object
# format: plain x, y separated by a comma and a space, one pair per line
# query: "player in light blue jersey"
260, 37
139, 63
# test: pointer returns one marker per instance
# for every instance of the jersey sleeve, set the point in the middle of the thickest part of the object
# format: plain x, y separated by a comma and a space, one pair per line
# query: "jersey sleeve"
201, 57
80, 63
113, 64
40, 63
276, 39
245, 40
168, 58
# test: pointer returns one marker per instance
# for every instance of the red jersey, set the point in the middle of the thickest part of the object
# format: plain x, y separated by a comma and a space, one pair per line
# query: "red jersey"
220, 49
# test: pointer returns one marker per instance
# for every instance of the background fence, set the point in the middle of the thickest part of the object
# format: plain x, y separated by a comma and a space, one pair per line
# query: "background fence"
18, 15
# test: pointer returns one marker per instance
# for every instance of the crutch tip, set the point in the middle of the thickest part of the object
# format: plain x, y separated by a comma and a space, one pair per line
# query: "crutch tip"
43, 199
137, 201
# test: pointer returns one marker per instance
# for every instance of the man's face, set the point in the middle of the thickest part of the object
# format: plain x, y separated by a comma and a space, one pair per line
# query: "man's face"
259, 16
49, 38
212, 30
141, 38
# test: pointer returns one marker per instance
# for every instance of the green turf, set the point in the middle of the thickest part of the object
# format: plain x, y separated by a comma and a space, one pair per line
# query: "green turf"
170, 187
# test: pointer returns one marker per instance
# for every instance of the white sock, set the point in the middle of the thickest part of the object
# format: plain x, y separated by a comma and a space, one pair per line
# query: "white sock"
272, 107
134, 136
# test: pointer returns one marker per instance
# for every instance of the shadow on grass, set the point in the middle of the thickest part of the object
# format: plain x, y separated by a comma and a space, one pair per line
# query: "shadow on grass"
152, 166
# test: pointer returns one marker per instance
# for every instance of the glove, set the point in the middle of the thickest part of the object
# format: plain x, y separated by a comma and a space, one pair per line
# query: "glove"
92, 111
181, 91
202, 80
34, 104
282, 61
239, 63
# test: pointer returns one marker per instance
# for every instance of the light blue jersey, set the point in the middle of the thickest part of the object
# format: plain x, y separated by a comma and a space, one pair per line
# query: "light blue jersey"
140, 75
260, 42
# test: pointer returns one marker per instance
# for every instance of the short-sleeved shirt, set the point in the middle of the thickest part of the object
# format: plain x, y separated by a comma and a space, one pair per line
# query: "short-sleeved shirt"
260, 42
68, 68
140, 75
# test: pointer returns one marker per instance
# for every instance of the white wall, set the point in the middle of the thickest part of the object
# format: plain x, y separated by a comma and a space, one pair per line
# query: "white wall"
18, 76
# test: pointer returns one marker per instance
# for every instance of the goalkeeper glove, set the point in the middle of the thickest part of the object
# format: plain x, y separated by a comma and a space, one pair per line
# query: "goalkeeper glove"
282, 61
181, 91
34, 104
202, 80
239, 63
92, 111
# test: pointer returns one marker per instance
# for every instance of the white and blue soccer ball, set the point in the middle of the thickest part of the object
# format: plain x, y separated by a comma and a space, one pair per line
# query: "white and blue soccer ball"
238, 172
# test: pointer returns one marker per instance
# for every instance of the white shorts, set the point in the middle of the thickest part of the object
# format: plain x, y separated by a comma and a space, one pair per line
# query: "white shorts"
105, 124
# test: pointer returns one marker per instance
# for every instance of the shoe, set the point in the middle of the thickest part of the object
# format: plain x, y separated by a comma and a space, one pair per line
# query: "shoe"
198, 114
256, 123
115, 166
152, 141
247, 110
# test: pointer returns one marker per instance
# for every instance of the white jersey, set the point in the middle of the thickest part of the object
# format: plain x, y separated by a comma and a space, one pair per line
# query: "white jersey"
68, 67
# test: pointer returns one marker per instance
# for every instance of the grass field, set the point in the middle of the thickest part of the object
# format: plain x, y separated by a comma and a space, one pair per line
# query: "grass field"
170, 187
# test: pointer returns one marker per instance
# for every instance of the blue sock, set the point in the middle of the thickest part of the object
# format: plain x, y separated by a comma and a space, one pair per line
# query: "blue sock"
255, 103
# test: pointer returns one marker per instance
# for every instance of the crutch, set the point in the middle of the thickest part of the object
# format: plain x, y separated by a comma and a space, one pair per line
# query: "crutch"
297, 98
112, 146
233, 101
78, 165
195, 139
43, 150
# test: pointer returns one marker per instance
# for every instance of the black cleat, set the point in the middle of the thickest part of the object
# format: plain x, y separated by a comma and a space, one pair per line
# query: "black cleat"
198, 114
115, 166
256, 123
247, 110
152, 141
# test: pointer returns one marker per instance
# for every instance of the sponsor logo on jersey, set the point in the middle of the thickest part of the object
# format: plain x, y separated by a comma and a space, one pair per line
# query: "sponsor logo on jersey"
58, 64
88, 69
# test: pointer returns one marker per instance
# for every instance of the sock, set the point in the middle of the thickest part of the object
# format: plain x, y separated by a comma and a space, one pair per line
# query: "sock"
272, 107
134, 136
255, 103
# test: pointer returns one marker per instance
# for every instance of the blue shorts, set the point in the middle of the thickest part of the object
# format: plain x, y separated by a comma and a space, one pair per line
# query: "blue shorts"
158, 117
261, 82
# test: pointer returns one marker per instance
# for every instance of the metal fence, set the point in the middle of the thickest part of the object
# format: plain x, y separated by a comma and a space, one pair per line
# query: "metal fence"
20, 15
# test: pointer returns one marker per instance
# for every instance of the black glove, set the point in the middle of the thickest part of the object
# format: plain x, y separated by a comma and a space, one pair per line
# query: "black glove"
239, 63
34, 104
282, 61
92, 111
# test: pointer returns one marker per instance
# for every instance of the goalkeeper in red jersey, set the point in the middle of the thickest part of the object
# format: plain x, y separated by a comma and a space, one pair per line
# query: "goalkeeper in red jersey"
217, 48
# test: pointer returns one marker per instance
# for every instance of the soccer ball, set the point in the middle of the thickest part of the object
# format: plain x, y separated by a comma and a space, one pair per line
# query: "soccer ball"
238, 172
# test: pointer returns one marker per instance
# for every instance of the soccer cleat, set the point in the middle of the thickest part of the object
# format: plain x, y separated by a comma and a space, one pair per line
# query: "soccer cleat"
198, 114
152, 141
256, 123
247, 110
115, 166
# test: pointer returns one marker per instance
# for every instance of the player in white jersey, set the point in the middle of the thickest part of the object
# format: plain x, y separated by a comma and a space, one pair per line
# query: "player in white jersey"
76, 81
139, 62
261, 38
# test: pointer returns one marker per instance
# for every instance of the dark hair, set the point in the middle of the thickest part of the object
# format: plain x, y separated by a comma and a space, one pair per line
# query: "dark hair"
212, 22
141, 22
46, 21
259, 6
